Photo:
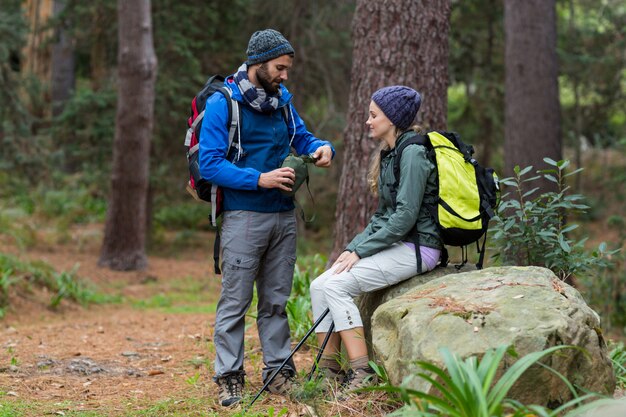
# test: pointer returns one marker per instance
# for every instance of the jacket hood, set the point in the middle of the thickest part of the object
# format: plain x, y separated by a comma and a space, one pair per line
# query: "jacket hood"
283, 100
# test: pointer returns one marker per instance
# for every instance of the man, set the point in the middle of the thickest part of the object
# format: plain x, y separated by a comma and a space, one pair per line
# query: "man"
258, 239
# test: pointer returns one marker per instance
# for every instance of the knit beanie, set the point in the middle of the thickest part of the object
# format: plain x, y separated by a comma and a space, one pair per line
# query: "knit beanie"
265, 45
399, 103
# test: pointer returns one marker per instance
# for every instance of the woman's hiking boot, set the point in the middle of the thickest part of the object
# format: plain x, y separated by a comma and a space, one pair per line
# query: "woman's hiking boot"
358, 378
282, 383
230, 388
330, 379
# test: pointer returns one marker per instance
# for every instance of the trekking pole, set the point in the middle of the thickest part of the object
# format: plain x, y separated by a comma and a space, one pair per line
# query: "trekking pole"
282, 365
319, 354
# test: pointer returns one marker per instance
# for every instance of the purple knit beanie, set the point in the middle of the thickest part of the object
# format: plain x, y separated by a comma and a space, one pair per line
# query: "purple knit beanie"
399, 103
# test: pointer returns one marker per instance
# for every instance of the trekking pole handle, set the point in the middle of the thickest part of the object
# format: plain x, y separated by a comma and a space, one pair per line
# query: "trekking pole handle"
282, 365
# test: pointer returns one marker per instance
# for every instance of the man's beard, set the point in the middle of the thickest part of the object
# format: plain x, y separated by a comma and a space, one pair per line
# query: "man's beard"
263, 77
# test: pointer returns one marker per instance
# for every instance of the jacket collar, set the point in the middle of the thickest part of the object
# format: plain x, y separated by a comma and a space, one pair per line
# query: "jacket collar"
404, 136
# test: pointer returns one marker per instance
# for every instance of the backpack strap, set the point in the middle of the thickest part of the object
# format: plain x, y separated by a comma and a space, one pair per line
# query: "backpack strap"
415, 140
234, 130
233, 142
287, 113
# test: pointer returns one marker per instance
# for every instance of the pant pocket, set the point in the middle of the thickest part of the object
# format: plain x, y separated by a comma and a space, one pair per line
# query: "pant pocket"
236, 261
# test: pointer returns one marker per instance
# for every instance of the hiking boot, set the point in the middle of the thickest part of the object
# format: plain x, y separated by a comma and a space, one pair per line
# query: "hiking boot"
330, 379
360, 378
230, 388
282, 383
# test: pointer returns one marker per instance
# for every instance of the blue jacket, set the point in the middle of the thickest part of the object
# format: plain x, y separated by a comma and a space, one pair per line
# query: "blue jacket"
265, 142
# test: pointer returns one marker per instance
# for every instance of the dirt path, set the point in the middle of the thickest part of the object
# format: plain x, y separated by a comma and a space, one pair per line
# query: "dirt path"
104, 356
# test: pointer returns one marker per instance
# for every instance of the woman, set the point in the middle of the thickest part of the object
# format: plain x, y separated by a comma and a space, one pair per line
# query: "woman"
385, 252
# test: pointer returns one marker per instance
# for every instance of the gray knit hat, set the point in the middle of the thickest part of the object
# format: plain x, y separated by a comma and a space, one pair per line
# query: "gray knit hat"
266, 45
399, 103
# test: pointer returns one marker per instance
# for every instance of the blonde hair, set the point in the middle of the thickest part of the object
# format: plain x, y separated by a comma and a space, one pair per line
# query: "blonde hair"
373, 173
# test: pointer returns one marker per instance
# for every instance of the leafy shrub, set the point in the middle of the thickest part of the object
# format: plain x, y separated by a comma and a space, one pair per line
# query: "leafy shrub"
299, 304
68, 286
533, 231
15, 224
63, 285
189, 215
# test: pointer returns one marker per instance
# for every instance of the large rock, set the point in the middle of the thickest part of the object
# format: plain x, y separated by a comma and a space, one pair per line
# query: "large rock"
369, 302
528, 308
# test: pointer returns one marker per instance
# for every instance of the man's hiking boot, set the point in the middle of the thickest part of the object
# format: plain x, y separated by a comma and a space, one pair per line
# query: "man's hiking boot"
359, 378
282, 382
230, 388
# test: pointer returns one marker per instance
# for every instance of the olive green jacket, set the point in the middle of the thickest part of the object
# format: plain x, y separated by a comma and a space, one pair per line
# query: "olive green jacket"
417, 187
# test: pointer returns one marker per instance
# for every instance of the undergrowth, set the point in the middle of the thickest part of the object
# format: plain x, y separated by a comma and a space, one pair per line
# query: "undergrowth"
24, 277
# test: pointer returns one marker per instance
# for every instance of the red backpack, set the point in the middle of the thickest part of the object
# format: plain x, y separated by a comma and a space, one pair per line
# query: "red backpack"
198, 187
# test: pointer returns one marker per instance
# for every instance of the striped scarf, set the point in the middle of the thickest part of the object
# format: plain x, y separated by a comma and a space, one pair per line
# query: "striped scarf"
257, 98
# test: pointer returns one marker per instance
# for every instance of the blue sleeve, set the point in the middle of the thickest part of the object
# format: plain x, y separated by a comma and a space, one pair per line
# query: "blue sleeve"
213, 150
304, 142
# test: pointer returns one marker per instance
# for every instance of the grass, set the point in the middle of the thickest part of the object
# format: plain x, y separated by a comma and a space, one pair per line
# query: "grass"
184, 295
179, 407
25, 276
618, 357
171, 407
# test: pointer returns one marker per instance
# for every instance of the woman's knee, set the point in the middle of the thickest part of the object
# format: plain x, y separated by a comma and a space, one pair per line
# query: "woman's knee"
317, 285
337, 288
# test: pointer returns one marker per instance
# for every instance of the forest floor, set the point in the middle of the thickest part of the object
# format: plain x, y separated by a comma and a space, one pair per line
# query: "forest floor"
150, 354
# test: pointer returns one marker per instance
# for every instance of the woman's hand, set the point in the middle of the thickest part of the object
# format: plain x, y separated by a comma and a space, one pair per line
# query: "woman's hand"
345, 261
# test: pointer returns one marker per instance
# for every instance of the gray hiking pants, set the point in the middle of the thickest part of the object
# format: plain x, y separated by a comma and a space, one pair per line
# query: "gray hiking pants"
257, 247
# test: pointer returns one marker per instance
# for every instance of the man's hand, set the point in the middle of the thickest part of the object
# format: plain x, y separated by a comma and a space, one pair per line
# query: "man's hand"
323, 156
345, 261
281, 178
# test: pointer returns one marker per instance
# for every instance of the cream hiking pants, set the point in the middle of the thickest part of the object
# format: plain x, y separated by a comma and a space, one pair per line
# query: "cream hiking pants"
337, 291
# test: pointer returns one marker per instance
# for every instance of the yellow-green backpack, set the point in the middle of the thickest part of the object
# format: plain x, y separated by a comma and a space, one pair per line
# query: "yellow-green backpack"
467, 192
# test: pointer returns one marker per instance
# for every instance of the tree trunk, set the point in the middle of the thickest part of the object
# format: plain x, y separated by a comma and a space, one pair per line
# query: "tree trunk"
63, 78
98, 53
532, 112
395, 42
125, 233
36, 53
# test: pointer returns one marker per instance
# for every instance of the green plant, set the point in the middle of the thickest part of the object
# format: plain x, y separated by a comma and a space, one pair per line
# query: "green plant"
272, 413
469, 388
68, 286
189, 215
64, 285
533, 231
299, 303
6, 280
193, 380
618, 357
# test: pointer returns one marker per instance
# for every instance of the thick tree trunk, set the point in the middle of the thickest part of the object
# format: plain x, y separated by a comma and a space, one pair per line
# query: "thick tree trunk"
532, 111
125, 234
395, 42
63, 78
